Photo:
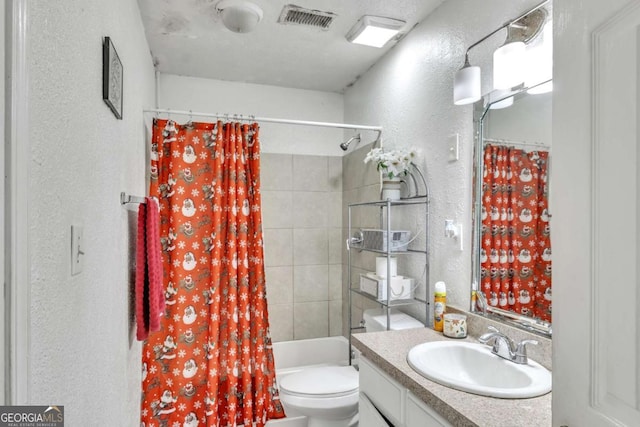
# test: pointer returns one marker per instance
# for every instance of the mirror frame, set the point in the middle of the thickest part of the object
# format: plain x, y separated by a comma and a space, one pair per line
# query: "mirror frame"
514, 319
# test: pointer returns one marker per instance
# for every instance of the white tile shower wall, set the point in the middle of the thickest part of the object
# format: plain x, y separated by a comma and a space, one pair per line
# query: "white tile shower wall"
302, 211
83, 352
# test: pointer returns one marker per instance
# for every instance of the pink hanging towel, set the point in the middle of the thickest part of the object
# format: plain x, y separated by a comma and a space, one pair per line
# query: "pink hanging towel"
150, 302
154, 265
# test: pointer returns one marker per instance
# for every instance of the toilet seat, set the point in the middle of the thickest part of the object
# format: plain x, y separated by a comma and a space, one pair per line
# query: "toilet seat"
323, 382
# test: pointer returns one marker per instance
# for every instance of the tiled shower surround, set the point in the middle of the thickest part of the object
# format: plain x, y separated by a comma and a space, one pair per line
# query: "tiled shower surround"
302, 220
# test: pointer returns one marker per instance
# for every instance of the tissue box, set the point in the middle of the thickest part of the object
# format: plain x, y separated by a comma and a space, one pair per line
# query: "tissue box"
376, 286
377, 239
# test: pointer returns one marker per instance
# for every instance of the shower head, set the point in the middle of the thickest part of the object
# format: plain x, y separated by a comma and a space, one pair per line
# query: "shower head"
345, 145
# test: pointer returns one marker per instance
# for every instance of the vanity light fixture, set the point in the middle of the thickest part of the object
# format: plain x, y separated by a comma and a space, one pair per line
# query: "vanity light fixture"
508, 59
466, 84
508, 62
499, 99
374, 31
540, 62
466, 81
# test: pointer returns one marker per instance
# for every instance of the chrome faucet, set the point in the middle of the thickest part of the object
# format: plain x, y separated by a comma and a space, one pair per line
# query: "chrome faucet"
481, 302
504, 346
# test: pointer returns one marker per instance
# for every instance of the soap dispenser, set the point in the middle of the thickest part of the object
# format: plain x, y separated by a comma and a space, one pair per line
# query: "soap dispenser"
439, 306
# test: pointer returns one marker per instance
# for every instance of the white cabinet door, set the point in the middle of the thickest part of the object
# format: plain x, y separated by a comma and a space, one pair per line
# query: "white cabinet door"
595, 201
420, 415
368, 414
383, 391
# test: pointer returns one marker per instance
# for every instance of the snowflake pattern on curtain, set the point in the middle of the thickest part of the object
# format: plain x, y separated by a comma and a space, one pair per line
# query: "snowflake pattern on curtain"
515, 251
211, 364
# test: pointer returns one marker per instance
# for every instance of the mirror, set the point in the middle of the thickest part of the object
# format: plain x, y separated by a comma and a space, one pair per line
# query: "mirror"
512, 242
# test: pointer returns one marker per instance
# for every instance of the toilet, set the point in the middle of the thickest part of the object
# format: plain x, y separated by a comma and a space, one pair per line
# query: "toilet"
328, 395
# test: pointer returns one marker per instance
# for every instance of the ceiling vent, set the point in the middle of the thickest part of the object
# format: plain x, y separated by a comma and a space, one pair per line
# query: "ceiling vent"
297, 15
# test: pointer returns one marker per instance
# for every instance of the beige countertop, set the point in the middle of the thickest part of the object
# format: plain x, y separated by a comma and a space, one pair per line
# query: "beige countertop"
388, 350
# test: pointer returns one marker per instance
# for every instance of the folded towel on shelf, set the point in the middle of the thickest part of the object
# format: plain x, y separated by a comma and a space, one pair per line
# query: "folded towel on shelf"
150, 302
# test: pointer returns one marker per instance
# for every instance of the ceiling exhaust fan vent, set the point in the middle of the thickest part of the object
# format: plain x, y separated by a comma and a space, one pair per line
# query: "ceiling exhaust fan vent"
297, 15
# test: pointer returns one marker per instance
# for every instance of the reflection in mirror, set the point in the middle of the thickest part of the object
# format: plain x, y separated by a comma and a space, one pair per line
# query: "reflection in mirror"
512, 244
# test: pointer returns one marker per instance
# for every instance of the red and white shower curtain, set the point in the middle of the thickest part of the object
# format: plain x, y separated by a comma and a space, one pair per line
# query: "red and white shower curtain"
211, 364
515, 251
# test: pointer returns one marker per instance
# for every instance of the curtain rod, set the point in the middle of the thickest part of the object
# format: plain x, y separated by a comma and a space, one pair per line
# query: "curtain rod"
509, 142
167, 111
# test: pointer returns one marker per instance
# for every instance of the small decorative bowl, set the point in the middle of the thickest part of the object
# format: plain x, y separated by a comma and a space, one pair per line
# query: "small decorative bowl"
455, 325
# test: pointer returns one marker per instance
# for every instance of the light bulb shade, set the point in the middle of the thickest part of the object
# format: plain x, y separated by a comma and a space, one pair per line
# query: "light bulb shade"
239, 16
540, 62
499, 99
466, 85
508, 65
505, 103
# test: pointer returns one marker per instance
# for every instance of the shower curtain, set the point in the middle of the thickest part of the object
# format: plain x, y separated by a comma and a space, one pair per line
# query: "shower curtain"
211, 364
515, 251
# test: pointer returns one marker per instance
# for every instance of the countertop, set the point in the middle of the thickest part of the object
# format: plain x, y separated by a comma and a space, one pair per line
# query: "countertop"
388, 350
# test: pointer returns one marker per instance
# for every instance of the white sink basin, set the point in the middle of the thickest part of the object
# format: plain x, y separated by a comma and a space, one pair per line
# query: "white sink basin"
473, 368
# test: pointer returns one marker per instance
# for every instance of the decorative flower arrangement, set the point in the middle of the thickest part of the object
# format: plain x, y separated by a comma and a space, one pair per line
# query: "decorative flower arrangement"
394, 163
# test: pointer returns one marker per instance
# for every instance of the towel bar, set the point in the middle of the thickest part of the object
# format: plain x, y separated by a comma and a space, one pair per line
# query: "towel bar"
127, 198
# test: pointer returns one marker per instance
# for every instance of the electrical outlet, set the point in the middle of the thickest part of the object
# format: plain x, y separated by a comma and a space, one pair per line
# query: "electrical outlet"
453, 147
77, 249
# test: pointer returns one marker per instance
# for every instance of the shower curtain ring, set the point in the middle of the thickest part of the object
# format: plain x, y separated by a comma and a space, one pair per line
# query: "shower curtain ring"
190, 116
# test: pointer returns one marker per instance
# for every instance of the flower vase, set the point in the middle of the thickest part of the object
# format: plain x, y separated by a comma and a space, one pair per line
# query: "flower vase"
391, 188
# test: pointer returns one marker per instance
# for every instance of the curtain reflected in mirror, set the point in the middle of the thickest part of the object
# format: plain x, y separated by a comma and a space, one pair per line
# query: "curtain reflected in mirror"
515, 247
512, 244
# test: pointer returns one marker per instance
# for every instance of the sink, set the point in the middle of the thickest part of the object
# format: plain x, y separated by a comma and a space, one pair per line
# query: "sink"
473, 368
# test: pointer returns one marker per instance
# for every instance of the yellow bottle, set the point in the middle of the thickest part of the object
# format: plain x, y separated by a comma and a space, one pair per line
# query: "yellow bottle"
474, 296
439, 306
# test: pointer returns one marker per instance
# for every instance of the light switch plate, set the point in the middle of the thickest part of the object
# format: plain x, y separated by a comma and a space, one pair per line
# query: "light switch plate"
77, 249
453, 147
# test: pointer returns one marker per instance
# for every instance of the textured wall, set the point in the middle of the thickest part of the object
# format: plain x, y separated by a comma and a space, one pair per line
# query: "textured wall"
216, 96
410, 93
83, 352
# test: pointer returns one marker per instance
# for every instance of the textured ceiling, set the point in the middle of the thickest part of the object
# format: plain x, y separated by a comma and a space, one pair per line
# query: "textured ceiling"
187, 37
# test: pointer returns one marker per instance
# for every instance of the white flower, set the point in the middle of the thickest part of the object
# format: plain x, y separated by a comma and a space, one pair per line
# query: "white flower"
394, 163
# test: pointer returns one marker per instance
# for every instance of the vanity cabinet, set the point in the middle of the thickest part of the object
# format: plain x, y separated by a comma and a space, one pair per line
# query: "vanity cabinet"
368, 414
385, 394
385, 402
419, 414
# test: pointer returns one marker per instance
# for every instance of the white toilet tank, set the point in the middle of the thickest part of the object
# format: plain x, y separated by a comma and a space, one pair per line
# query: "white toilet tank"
376, 320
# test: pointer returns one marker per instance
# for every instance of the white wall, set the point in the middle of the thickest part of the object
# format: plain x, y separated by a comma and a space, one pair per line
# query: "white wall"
83, 352
409, 92
216, 96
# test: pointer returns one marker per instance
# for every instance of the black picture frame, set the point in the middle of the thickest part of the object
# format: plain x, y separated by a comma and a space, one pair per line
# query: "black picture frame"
112, 76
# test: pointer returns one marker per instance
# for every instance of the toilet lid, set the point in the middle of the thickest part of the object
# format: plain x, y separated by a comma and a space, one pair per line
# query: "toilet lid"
329, 380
